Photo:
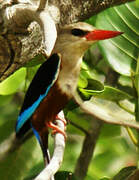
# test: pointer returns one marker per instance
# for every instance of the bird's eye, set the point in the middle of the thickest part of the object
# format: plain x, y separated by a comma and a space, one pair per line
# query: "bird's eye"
78, 32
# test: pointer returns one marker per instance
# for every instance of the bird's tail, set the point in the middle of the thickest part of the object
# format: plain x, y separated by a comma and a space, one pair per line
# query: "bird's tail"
44, 146
42, 137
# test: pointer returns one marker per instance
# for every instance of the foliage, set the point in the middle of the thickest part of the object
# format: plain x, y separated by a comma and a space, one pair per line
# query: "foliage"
109, 80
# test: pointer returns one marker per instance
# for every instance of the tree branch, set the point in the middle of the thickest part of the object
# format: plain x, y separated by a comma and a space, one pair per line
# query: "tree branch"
57, 158
42, 5
79, 10
17, 46
87, 149
80, 128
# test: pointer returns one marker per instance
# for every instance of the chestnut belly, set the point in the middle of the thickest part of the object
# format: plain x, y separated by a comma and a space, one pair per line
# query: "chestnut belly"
47, 110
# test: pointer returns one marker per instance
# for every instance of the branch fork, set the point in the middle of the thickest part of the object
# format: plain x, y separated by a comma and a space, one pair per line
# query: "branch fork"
17, 18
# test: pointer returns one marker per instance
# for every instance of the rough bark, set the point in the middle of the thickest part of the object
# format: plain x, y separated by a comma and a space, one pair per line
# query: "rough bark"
18, 46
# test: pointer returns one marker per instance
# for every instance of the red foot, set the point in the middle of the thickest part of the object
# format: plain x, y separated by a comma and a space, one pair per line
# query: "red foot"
58, 117
56, 129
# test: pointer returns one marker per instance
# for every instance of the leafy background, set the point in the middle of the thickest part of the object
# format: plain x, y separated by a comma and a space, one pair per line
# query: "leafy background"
109, 80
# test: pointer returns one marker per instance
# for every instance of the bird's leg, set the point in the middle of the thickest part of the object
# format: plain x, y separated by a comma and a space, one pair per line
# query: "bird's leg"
55, 128
61, 118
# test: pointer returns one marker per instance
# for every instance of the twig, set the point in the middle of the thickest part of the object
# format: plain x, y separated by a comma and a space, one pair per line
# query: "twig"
132, 136
79, 127
87, 149
57, 158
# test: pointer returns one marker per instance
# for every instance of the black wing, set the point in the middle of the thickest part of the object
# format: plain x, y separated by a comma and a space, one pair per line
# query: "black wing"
37, 91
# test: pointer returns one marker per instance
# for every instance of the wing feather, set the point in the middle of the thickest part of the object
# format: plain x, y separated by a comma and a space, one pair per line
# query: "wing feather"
37, 91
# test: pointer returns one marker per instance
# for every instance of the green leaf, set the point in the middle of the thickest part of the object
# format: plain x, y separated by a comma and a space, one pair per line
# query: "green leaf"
92, 20
121, 52
89, 69
113, 94
105, 92
110, 112
127, 105
94, 88
125, 173
136, 78
135, 81
5, 99
125, 81
82, 82
30, 72
36, 61
12, 83
137, 3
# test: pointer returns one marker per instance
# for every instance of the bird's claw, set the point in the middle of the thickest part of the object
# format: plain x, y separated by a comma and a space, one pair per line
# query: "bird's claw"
56, 129
58, 117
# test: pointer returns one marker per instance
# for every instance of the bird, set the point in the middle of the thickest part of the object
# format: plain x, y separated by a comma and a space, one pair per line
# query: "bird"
56, 80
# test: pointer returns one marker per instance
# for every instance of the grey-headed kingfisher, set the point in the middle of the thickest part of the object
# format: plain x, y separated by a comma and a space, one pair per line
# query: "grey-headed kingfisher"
56, 80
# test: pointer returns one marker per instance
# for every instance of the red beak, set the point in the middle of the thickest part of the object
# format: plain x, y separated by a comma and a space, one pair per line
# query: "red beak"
101, 34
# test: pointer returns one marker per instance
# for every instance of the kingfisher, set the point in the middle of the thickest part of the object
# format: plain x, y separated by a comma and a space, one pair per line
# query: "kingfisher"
56, 80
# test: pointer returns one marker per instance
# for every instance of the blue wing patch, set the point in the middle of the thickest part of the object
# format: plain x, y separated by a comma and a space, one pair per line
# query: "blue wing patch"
36, 134
37, 91
27, 113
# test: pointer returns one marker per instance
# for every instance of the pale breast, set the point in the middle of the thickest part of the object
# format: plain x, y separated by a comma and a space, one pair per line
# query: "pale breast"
68, 76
